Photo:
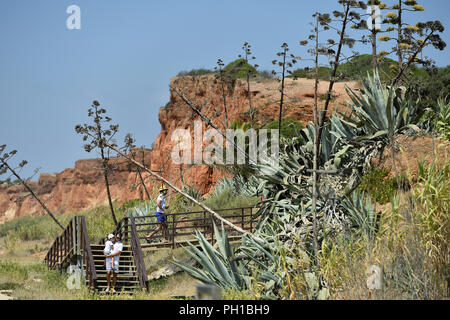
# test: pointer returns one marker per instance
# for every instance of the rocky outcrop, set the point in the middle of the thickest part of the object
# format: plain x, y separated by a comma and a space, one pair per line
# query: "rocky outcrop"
83, 187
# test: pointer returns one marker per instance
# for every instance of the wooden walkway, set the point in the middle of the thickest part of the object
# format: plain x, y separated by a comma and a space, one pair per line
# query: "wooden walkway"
73, 248
181, 227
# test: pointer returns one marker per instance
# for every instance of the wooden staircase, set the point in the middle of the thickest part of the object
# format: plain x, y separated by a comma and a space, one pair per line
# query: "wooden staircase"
73, 248
127, 278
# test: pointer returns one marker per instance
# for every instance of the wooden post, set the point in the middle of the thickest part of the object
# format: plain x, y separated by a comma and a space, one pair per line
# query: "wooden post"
58, 249
173, 231
242, 218
204, 222
212, 229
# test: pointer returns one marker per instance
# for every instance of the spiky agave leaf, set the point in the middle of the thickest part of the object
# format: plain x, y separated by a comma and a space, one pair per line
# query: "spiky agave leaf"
362, 213
382, 111
218, 266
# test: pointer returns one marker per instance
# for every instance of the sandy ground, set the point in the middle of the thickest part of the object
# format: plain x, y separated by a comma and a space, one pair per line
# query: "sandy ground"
3, 296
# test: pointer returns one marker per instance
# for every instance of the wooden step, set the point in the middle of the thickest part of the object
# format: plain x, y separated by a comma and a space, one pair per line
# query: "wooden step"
121, 266
102, 257
121, 269
119, 281
119, 275
101, 251
126, 271
102, 246
124, 261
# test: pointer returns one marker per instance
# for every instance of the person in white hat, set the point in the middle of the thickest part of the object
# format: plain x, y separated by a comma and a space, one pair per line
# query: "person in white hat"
160, 215
109, 247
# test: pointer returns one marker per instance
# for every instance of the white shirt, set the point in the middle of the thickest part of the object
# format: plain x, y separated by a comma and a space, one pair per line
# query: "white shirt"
163, 203
118, 246
107, 249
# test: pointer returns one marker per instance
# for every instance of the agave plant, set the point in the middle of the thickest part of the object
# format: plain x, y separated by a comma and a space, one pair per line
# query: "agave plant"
362, 213
218, 266
193, 192
382, 111
224, 268
271, 263
147, 210
247, 187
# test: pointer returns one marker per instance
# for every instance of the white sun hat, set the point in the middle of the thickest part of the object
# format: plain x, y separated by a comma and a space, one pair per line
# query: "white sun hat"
110, 236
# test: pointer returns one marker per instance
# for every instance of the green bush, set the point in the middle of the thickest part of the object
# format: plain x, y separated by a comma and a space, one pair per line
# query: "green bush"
310, 73
32, 228
238, 69
233, 294
13, 270
290, 128
381, 187
195, 72
98, 222
357, 68
227, 200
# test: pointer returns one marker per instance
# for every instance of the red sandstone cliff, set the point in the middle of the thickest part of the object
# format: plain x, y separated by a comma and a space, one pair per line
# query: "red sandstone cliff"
83, 187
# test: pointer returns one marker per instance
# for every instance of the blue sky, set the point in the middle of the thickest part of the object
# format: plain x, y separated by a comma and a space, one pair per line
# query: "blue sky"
124, 56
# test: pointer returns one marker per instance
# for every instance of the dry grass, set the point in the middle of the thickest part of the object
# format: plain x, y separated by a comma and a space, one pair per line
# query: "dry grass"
411, 247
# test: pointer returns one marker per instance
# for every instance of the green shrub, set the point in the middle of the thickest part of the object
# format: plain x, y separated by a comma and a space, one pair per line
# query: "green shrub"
233, 294
309, 73
157, 285
195, 72
131, 204
381, 187
32, 228
238, 69
228, 200
433, 206
290, 128
13, 270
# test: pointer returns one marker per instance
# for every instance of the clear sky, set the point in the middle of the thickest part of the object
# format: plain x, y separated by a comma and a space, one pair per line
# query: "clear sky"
124, 56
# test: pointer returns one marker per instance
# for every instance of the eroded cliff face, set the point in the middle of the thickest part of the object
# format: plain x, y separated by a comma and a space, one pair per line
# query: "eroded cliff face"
83, 186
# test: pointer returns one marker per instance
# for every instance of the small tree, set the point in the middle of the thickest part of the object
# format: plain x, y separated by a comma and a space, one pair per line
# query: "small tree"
4, 167
222, 78
316, 49
374, 7
97, 136
410, 39
247, 57
285, 63
129, 147
341, 22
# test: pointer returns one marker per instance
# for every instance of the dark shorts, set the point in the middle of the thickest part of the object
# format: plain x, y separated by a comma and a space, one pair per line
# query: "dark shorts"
160, 217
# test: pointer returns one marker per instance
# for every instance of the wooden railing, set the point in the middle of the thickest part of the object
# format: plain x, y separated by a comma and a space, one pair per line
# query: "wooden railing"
60, 251
138, 256
88, 258
181, 226
72, 246
127, 229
